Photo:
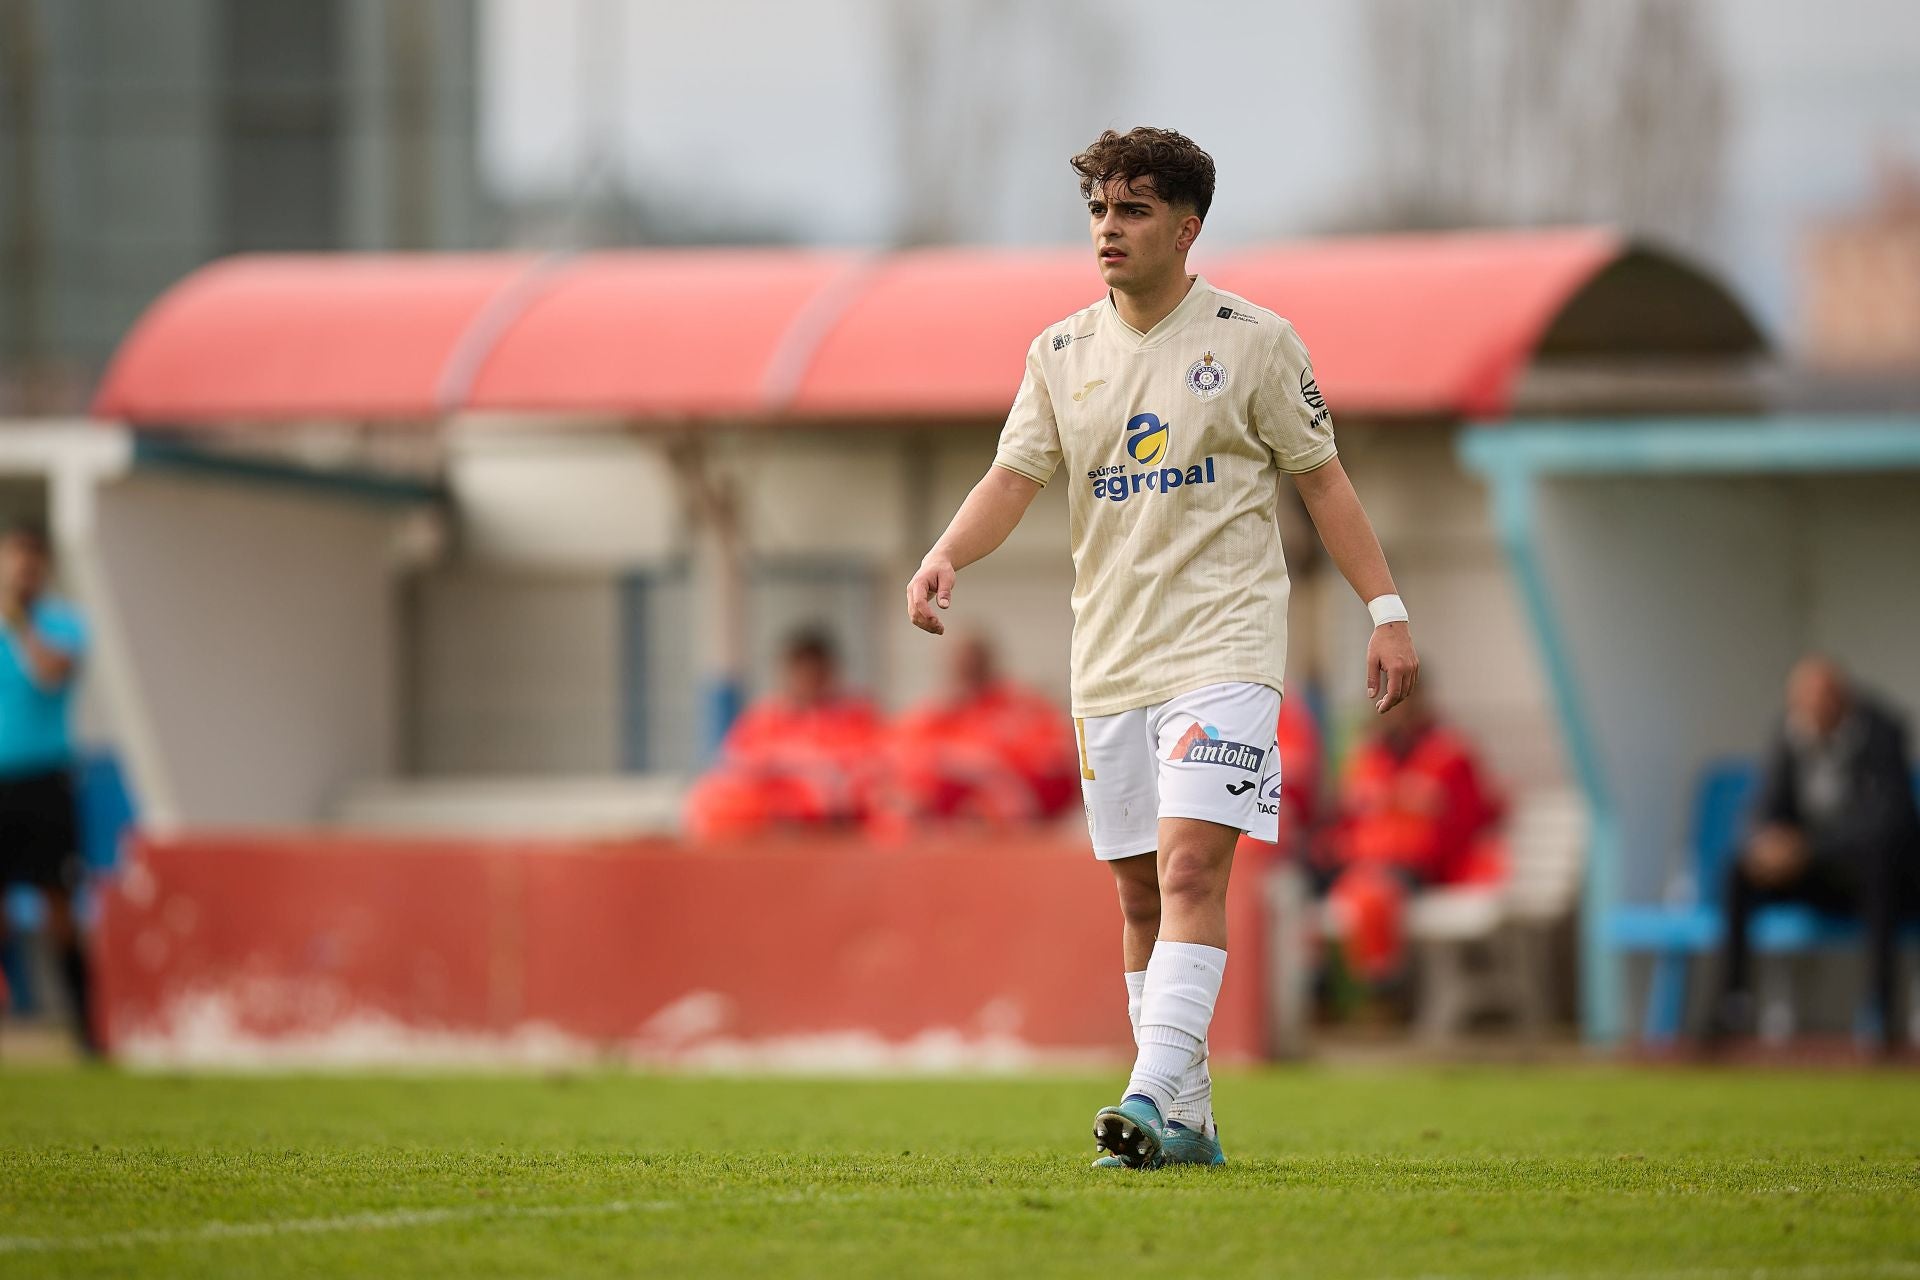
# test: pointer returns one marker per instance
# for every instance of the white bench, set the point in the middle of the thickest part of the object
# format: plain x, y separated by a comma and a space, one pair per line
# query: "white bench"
1486, 949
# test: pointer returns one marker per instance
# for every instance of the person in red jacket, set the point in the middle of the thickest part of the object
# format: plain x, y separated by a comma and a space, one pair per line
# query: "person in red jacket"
808, 754
1416, 811
986, 748
1414, 798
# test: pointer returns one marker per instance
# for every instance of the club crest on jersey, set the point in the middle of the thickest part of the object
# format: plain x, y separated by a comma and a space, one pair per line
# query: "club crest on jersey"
1208, 377
1147, 438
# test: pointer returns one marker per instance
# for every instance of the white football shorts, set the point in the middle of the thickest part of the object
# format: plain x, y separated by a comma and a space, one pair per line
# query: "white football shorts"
1209, 754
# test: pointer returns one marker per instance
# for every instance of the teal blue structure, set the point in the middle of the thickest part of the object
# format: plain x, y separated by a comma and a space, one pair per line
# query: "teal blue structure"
1515, 457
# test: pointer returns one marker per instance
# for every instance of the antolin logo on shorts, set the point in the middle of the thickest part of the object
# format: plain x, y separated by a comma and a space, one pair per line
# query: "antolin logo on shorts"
1202, 744
1148, 442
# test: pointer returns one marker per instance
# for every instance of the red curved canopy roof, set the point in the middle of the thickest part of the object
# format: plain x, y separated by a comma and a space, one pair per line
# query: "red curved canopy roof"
306, 336
1404, 325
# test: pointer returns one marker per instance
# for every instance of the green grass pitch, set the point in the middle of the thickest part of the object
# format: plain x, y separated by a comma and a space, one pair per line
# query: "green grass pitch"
1691, 1175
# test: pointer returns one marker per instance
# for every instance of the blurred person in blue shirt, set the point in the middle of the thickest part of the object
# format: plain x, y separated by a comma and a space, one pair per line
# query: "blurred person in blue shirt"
42, 641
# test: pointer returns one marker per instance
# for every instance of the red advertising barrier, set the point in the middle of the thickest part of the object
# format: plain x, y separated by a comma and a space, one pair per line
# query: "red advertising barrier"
811, 952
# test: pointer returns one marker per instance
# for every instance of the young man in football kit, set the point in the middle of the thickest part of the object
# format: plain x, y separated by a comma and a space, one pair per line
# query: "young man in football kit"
1170, 407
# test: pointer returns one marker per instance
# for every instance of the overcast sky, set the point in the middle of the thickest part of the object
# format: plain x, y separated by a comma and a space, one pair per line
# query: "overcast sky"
781, 115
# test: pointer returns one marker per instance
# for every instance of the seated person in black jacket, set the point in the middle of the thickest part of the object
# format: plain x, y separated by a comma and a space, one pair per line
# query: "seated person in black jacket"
1836, 829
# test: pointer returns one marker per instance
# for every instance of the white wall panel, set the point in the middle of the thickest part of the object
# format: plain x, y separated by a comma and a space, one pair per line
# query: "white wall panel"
565, 500
1682, 603
260, 626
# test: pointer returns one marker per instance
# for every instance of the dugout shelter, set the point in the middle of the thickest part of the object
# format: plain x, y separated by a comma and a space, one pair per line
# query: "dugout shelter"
1672, 570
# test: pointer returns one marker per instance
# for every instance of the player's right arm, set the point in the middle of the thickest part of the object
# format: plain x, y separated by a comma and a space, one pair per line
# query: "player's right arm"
982, 524
1028, 454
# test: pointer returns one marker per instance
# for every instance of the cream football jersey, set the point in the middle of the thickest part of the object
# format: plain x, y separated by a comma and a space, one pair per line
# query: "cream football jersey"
1169, 442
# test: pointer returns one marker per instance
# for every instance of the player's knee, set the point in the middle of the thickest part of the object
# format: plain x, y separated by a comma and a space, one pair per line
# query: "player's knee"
1140, 903
1139, 888
1191, 878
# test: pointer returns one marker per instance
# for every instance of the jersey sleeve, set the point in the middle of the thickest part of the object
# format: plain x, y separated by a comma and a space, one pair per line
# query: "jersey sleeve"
1289, 414
1030, 442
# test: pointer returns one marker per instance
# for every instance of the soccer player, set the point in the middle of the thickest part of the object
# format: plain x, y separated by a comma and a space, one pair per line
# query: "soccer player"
1172, 405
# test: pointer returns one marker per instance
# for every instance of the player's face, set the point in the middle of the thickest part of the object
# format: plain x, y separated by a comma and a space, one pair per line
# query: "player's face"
1138, 238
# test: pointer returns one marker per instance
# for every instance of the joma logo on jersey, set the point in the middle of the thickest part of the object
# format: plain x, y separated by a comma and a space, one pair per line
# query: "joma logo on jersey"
1148, 440
1202, 744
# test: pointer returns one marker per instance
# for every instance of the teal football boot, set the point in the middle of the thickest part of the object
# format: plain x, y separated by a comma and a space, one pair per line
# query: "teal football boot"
1108, 1162
1133, 1131
1191, 1146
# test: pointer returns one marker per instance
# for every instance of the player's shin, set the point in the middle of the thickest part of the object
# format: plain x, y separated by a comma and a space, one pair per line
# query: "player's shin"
1183, 983
1193, 1105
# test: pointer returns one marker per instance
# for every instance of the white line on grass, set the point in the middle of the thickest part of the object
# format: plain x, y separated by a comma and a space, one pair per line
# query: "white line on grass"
391, 1220
400, 1219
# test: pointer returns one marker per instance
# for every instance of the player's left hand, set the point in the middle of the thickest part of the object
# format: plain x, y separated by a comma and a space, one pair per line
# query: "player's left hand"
932, 585
1393, 668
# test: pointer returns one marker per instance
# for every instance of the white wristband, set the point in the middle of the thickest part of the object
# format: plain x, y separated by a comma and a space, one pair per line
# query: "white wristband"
1387, 609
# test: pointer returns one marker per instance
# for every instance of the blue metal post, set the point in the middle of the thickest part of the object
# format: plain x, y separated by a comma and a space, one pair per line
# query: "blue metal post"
1513, 510
721, 703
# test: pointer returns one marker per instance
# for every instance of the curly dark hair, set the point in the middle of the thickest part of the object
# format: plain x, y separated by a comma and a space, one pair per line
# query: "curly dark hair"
1176, 168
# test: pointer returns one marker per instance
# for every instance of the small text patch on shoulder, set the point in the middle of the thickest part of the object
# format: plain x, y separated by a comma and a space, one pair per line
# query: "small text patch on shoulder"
1228, 313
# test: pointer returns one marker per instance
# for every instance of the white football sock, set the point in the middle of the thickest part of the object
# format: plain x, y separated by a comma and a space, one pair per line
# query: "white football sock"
1183, 982
1193, 1105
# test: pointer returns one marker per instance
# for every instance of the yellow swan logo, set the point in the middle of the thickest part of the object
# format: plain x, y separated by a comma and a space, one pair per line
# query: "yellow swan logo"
1147, 439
